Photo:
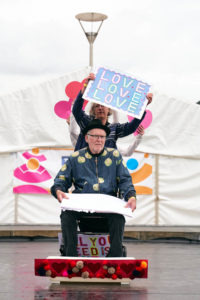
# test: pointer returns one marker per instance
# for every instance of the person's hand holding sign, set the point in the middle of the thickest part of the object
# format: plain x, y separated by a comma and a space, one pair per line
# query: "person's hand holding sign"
131, 203
90, 77
140, 130
149, 97
60, 195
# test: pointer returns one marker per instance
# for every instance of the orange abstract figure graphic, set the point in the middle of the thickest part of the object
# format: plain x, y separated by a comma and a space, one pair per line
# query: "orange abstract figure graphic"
31, 172
33, 164
139, 176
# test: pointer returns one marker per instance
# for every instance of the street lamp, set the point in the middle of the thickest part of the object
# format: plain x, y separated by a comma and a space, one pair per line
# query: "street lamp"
91, 35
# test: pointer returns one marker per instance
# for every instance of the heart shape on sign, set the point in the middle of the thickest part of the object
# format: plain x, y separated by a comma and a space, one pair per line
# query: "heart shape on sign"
94, 267
127, 268
59, 267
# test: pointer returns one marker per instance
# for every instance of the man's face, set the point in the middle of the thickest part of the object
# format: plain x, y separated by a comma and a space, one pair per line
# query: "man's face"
96, 140
100, 111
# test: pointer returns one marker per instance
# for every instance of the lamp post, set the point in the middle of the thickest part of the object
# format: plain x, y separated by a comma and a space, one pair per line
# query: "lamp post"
91, 35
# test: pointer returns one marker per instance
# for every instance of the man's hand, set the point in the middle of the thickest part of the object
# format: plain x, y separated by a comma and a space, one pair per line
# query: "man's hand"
131, 203
60, 195
149, 97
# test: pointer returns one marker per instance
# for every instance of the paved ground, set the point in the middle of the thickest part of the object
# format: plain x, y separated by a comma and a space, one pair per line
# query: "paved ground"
139, 233
174, 273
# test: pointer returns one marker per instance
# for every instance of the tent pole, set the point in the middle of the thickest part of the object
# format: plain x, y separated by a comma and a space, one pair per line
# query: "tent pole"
16, 209
157, 189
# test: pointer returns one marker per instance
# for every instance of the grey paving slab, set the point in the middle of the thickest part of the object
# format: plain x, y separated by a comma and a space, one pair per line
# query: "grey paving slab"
174, 273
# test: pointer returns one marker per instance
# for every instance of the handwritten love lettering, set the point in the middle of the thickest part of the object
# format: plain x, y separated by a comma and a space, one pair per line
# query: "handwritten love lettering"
118, 91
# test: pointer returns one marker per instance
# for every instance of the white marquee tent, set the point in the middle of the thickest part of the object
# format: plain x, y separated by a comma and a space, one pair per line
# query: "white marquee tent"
28, 121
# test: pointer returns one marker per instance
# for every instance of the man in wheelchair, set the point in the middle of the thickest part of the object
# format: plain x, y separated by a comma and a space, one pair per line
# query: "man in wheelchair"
94, 169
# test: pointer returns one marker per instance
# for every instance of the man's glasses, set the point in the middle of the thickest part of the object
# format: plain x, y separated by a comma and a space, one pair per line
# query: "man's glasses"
101, 137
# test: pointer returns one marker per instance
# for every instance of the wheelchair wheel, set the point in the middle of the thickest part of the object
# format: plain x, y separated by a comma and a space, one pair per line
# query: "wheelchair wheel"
124, 251
62, 252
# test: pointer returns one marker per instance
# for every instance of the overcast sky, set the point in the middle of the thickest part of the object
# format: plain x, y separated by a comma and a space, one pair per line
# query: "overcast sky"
155, 40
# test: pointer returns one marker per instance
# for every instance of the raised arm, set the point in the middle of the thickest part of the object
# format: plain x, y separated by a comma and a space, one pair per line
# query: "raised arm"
115, 115
130, 127
74, 130
81, 117
127, 128
132, 147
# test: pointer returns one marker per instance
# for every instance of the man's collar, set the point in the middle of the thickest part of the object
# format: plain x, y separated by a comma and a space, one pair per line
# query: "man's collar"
97, 154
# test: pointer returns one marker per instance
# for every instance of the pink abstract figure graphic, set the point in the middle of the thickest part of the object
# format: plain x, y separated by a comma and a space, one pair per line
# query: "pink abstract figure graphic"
24, 174
72, 89
32, 171
29, 189
63, 108
28, 155
146, 121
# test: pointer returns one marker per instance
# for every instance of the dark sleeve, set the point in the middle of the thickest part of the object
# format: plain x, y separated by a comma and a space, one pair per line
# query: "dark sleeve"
81, 117
63, 180
127, 128
125, 184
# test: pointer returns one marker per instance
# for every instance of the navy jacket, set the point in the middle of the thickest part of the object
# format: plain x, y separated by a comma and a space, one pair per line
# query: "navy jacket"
105, 173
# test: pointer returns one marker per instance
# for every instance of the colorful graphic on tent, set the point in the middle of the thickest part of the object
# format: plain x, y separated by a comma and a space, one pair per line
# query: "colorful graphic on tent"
63, 108
140, 168
31, 172
146, 122
30, 176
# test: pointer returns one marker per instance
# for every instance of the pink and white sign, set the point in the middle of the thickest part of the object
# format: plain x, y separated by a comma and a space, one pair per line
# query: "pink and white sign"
93, 245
